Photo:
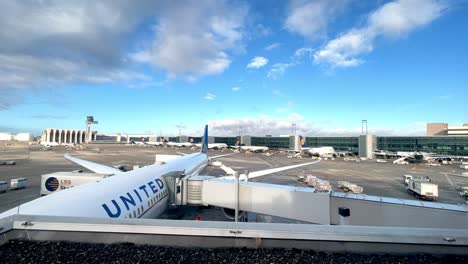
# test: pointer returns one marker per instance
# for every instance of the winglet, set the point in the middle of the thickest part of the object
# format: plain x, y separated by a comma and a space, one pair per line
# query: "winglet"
205, 141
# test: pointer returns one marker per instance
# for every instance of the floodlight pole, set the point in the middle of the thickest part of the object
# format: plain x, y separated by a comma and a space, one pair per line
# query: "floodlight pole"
236, 214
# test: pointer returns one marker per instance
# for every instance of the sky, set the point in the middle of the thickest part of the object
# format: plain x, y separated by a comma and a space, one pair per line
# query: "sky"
169, 67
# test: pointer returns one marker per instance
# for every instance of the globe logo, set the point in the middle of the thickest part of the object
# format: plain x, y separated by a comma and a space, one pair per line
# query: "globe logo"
52, 184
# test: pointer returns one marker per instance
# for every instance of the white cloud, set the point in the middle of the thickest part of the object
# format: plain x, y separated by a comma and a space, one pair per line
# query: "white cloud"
393, 19
267, 125
257, 62
342, 51
403, 16
311, 18
258, 126
272, 46
26, 71
210, 96
55, 43
262, 124
278, 69
193, 39
236, 89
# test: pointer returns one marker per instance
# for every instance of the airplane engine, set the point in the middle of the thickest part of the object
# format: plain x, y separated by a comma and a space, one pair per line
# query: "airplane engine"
231, 213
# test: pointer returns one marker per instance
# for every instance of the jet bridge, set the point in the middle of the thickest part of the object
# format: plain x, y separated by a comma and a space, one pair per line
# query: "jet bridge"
325, 208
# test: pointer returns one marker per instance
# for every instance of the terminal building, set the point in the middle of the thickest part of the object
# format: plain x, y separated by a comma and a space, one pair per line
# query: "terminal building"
65, 136
443, 129
445, 145
441, 139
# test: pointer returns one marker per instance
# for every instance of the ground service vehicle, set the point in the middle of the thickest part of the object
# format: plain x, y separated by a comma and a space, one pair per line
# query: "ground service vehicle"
422, 189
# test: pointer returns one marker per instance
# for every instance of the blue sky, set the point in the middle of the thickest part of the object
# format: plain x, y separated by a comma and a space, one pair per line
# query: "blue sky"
151, 67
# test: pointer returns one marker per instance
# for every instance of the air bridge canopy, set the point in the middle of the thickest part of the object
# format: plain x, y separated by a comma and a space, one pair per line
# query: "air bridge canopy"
308, 205
296, 203
367, 210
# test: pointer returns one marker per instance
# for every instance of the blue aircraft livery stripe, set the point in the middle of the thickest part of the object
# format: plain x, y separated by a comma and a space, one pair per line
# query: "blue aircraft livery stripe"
162, 198
128, 201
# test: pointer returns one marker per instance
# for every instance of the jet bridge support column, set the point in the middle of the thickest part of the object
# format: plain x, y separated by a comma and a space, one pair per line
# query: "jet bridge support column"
236, 215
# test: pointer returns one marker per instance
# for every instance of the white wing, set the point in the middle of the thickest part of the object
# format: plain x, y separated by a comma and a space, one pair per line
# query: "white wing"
255, 174
98, 168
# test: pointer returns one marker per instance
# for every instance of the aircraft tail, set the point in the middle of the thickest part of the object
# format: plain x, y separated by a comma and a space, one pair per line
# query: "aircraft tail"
204, 148
303, 142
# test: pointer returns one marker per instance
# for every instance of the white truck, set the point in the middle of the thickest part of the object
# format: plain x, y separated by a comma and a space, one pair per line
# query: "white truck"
3, 186
19, 183
58, 181
422, 189
407, 178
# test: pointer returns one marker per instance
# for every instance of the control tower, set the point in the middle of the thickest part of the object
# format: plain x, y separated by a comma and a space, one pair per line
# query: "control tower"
89, 132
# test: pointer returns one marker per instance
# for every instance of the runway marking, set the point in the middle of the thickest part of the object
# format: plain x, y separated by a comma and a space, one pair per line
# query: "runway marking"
448, 179
269, 164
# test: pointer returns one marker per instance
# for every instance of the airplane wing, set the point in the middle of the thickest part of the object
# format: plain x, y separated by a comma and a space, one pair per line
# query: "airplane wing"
95, 167
260, 173
220, 156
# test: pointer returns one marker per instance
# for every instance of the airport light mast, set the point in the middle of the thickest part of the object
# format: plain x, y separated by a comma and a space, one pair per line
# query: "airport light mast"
364, 125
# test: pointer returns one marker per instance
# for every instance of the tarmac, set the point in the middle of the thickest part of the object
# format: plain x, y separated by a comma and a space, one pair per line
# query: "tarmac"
380, 179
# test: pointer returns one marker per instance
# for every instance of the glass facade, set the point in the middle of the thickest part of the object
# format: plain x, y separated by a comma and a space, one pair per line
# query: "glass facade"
194, 140
338, 143
271, 142
231, 141
447, 145
457, 146
173, 139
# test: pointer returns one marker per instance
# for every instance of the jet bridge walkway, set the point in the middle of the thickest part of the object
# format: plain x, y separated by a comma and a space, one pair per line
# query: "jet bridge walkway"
325, 208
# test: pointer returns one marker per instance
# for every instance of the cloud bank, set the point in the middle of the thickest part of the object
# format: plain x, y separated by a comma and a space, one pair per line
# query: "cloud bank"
392, 20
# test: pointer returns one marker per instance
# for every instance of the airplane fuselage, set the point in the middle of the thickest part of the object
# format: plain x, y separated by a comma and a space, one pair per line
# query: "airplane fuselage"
140, 193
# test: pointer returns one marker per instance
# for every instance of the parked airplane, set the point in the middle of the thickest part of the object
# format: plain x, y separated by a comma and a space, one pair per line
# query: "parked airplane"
158, 143
255, 149
323, 152
140, 193
179, 144
214, 145
384, 154
414, 156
